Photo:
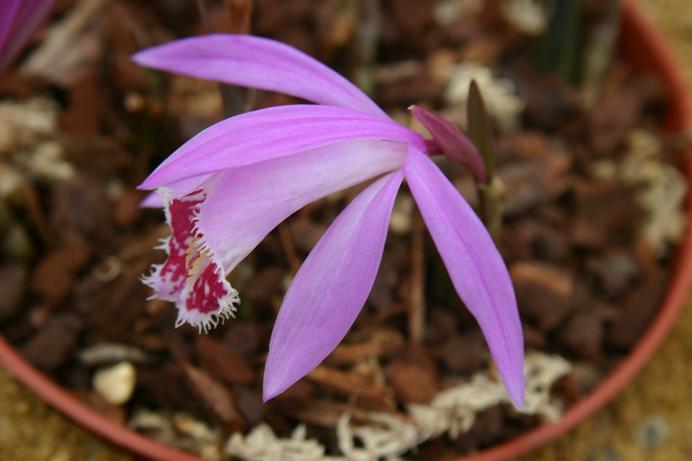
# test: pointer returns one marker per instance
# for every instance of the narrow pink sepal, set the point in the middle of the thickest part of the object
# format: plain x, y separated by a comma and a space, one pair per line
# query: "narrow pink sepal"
257, 62
330, 288
475, 267
452, 142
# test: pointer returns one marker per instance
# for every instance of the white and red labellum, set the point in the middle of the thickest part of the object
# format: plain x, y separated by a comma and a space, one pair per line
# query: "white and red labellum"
190, 277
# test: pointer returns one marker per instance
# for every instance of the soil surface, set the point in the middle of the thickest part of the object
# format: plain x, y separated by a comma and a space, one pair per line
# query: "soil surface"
649, 420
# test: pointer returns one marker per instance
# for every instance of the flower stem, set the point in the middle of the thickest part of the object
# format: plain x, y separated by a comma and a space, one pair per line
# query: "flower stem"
481, 133
489, 196
416, 308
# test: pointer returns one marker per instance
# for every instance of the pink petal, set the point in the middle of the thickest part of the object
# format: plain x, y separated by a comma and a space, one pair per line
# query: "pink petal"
257, 62
244, 204
330, 288
271, 133
476, 268
452, 142
18, 21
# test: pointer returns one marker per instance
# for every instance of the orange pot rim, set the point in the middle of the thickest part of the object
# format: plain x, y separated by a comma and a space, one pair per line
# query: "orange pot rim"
650, 52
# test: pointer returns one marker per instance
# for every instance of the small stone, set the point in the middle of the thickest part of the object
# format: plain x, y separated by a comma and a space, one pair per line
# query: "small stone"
652, 432
115, 384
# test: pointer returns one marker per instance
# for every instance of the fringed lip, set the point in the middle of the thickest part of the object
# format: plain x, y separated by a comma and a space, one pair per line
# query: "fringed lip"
191, 277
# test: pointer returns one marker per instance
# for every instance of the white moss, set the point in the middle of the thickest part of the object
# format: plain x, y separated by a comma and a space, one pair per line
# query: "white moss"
661, 189
385, 436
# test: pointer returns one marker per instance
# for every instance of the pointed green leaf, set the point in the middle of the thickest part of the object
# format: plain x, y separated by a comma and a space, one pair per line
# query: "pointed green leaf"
480, 128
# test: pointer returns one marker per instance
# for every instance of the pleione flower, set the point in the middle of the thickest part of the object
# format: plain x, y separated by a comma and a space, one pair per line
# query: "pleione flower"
226, 188
18, 20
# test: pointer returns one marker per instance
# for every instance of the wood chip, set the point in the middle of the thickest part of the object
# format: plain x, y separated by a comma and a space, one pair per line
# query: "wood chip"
216, 397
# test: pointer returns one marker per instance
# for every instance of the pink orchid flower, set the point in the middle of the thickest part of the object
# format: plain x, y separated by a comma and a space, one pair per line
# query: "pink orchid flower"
18, 20
229, 186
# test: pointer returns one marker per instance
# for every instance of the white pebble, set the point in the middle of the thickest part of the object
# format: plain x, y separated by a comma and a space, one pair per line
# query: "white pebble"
116, 383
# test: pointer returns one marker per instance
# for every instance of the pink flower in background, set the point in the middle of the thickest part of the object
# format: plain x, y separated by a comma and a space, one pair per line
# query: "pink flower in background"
18, 20
229, 186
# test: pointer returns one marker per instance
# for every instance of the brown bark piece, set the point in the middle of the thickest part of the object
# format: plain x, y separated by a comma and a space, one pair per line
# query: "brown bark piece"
348, 383
53, 344
582, 335
221, 362
545, 293
413, 376
215, 397
54, 276
639, 307
13, 288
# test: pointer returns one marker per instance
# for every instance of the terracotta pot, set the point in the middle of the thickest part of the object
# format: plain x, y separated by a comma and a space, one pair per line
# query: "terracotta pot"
643, 48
